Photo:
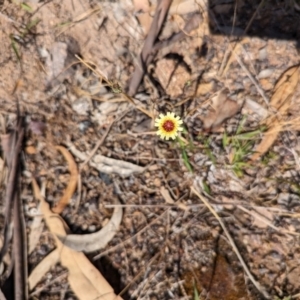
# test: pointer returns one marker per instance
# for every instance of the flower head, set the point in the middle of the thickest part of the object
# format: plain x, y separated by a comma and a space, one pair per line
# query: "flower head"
168, 125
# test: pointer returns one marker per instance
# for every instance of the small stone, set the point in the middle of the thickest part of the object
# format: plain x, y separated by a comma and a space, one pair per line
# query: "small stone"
205, 88
283, 199
153, 168
263, 54
97, 89
30, 150
84, 125
84, 226
247, 83
43, 52
82, 105
157, 182
266, 84
265, 73
92, 228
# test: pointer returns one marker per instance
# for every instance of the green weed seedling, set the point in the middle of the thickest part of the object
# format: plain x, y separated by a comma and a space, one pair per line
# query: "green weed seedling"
26, 7
241, 144
284, 298
27, 29
184, 147
15, 48
241, 150
196, 293
17, 40
270, 155
116, 88
63, 24
206, 187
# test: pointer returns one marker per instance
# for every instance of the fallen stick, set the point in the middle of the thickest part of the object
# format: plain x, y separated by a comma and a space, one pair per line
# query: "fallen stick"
156, 26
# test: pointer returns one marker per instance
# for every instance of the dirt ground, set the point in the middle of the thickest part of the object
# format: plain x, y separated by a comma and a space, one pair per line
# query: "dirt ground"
211, 215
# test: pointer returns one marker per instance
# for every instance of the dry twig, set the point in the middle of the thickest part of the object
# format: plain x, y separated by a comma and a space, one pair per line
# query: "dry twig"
158, 21
13, 202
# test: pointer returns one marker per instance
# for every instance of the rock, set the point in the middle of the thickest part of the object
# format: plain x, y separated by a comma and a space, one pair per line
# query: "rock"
82, 105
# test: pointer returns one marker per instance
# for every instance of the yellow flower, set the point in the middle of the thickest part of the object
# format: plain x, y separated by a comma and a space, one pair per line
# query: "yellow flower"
168, 126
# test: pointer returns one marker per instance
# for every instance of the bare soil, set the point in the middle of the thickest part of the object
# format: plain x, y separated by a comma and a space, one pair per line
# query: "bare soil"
68, 63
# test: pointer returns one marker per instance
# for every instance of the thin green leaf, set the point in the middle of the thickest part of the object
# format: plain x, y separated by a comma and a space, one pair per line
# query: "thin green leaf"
184, 155
26, 7
196, 294
241, 125
242, 165
184, 130
208, 151
15, 49
63, 24
33, 23
225, 140
238, 172
186, 161
248, 135
206, 187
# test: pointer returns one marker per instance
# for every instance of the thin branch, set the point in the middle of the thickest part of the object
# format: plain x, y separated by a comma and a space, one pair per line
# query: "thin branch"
156, 26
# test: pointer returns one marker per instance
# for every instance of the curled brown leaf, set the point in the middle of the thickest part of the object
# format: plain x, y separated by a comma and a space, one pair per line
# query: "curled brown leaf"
280, 102
65, 199
223, 109
85, 280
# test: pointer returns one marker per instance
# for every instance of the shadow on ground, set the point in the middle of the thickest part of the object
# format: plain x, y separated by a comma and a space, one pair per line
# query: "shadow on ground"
264, 19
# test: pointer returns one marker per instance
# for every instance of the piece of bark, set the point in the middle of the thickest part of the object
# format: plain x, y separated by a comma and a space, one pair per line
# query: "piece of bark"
156, 26
11, 153
12, 201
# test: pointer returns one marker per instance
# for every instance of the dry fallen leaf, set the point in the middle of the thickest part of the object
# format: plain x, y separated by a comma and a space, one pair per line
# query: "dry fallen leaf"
106, 164
204, 88
186, 6
36, 229
5, 142
257, 108
65, 199
166, 195
223, 109
85, 280
37, 225
265, 217
98, 240
284, 89
281, 102
42, 268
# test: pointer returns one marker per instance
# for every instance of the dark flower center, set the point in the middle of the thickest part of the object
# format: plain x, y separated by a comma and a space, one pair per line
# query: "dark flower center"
168, 126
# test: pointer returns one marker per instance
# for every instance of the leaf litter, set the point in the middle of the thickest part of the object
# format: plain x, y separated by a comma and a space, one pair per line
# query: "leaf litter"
84, 278
222, 109
281, 102
156, 241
